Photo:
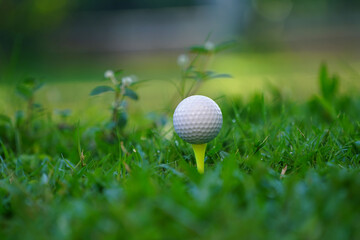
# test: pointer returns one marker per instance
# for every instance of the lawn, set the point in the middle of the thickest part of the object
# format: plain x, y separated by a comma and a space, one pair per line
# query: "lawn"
284, 166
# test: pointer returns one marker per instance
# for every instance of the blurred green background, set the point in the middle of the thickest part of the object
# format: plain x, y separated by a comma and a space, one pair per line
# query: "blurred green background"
69, 45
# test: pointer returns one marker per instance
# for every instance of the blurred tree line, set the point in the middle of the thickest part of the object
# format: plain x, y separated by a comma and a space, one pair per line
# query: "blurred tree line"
24, 22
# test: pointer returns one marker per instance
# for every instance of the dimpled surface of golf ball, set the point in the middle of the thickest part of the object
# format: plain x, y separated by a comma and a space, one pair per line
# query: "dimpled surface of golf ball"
197, 119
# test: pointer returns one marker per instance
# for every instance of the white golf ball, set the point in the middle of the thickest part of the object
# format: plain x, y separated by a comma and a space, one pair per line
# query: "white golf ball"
197, 119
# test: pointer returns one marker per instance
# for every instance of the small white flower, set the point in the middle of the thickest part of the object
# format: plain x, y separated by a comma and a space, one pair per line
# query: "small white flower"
183, 60
109, 74
127, 80
210, 46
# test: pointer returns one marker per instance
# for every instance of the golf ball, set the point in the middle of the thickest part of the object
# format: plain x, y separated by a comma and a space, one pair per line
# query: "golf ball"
197, 119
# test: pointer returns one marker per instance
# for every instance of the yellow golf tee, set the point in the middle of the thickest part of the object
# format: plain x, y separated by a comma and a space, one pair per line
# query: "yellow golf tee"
199, 150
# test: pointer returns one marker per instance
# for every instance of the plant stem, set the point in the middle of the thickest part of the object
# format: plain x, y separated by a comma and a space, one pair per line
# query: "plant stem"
196, 86
116, 104
29, 109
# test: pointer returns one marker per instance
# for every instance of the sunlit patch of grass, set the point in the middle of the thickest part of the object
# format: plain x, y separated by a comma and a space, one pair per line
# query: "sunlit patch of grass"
69, 82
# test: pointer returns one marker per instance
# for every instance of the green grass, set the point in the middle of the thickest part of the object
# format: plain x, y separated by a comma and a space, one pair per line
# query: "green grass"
142, 183
69, 79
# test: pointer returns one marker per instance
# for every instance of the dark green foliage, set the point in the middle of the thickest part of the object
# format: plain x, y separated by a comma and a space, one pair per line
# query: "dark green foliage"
329, 85
121, 90
131, 94
195, 72
122, 119
329, 103
27, 88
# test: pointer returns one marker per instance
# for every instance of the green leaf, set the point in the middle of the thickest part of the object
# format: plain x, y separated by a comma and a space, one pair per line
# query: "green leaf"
220, 75
38, 86
24, 92
327, 107
131, 94
190, 69
37, 105
110, 125
19, 117
30, 81
33, 84
199, 50
5, 119
197, 75
202, 76
118, 72
63, 113
328, 85
101, 89
121, 119
225, 45
323, 77
134, 83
